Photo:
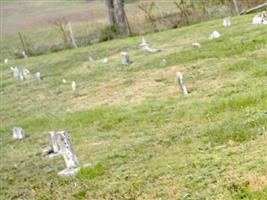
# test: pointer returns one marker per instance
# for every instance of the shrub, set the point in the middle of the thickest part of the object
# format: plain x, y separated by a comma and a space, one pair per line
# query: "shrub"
109, 33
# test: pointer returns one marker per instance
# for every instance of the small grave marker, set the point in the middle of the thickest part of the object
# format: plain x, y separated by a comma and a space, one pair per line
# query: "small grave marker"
163, 62
104, 60
24, 54
227, 22
18, 133
125, 59
15, 71
73, 86
196, 45
214, 35
38, 76
181, 83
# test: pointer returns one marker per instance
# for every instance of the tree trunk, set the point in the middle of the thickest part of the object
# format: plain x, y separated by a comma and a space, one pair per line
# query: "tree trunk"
237, 6
111, 12
120, 16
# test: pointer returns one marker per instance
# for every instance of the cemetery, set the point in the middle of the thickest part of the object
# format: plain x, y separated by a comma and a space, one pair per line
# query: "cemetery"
175, 114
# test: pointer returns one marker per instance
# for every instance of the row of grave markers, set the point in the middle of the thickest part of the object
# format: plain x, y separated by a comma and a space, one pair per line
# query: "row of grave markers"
61, 142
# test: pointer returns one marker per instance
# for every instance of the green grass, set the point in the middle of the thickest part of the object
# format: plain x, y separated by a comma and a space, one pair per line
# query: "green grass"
145, 140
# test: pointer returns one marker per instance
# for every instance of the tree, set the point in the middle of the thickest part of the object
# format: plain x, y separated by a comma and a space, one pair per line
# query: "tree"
120, 16
111, 12
116, 14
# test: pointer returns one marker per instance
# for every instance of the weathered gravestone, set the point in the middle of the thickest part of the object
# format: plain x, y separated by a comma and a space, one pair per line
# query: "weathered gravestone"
66, 150
6, 60
180, 79
163, 62
227, 22
21, 75
125, 59
18, 133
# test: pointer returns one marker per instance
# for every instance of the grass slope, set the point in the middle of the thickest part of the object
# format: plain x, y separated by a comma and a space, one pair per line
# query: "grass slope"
144, 139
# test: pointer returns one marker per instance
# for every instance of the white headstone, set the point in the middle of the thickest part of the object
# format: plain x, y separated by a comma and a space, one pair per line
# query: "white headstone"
18, 133
6, 60
90, 57
260, 18
181, 83
125, 59
73, 86
64, 81
227, 22
26, 73
66, 150
38, 76
24, 54
214, 35
104, 60
196, 45
15, 71
21, 75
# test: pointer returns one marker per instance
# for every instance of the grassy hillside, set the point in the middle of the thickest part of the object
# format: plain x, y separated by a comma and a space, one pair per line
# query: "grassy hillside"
143, 137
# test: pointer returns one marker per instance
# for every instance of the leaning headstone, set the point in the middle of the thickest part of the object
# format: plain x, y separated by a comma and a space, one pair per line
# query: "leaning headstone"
196, 45
73, 86
125, 59
66, 150
146, 47
18, 133
38, 76
227, 22
181, 83
24, 54
6, 60
214, 35
260, 18
64, 81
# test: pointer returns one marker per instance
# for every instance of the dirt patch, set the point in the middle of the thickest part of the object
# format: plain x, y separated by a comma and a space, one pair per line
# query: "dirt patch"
257, 182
